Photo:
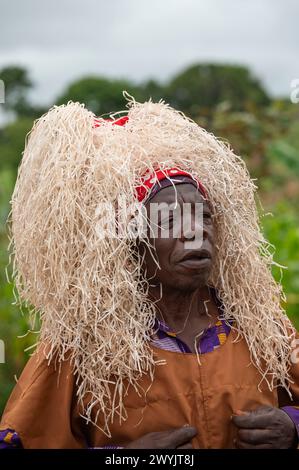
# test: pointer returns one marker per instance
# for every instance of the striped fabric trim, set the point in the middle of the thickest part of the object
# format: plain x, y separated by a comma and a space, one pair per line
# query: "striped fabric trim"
9, 439
211, 339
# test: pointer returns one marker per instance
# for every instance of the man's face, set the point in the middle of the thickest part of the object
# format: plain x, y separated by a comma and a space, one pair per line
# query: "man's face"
184, 263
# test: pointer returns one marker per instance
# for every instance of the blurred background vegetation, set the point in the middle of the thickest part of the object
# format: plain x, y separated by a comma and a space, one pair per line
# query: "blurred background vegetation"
228, 101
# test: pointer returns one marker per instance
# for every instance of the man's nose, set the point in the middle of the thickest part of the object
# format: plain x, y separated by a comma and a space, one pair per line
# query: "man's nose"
194, 229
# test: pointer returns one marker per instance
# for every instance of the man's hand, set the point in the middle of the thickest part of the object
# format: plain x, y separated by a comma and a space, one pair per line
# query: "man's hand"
179, 438
265, 428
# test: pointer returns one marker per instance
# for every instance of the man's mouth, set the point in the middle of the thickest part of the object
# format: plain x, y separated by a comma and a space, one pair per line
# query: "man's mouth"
196, 259
196, 255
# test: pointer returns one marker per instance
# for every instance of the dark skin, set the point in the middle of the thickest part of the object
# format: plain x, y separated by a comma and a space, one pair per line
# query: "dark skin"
265, 428
186, 296
184, 282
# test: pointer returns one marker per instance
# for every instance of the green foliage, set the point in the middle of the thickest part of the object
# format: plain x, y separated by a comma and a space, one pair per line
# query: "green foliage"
100, 95
266, 137
151, 90
13, 324
282, 230
17, 84
284, 151
12, 141
203, 86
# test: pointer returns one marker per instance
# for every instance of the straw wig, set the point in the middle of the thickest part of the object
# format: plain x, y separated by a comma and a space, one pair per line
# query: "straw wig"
90, 292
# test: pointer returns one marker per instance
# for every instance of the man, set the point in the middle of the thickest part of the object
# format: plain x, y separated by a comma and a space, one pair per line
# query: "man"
146, 341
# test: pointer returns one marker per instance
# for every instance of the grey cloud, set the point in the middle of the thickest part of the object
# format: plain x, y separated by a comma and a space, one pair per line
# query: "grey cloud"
60, 41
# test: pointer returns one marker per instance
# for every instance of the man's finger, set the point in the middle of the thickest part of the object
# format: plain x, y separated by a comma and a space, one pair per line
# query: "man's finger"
245, 445
181, 436
255, 436
257, 419
186, 446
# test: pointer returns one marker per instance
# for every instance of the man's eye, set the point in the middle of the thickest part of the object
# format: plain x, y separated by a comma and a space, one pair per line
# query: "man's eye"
207, 216
167, 221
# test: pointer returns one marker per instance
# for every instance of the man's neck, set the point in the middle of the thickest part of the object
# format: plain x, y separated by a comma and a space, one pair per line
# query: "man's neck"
176, 307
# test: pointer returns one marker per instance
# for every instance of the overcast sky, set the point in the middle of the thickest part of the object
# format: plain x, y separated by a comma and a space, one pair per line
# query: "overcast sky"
62, 40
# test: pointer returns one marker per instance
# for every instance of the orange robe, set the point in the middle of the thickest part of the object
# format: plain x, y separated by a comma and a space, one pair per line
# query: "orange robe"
44, 412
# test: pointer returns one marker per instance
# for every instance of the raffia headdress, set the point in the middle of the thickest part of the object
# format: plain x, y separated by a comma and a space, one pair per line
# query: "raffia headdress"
89, 291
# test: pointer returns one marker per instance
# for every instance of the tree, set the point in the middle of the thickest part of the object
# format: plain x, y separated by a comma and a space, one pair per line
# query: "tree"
151, 90
99, 94
17, 85
12, 142
201, 87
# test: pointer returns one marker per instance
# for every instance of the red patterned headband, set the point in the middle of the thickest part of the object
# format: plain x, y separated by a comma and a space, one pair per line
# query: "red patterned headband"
149, 181
118, 122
